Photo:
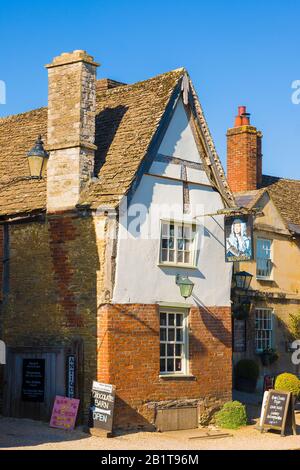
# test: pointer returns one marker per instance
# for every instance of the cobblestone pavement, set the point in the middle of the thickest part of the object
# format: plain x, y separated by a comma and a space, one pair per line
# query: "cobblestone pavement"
27, 435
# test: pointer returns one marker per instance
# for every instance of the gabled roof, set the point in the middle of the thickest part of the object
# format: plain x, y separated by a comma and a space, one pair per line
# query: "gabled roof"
285, 193
129, 117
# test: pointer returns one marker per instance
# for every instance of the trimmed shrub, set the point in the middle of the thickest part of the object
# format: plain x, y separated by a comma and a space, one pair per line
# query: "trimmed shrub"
288, 383
232, 416
247, 369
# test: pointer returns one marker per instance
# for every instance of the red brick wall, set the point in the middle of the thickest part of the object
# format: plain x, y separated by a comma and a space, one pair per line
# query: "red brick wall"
259, 160
128, 357
62, 231
244, 158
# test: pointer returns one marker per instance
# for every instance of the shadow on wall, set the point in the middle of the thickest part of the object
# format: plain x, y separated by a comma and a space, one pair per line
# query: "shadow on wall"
282, 338
214, 324
126, 415
107, 124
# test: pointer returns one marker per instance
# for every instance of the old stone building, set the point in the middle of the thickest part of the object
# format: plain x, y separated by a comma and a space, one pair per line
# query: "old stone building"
81, 277
275, 288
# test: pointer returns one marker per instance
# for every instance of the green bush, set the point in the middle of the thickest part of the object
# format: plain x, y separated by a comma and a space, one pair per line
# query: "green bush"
232, 416
247, 369
288, 383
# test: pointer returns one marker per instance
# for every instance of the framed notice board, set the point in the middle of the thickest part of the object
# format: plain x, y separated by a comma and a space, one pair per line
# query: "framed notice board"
279, 412
33, 380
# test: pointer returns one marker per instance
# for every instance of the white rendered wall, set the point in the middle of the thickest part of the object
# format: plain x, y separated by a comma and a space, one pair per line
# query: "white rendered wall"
139, 278
179, 140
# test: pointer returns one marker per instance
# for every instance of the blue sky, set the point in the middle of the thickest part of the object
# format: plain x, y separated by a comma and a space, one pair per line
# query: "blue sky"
237, 53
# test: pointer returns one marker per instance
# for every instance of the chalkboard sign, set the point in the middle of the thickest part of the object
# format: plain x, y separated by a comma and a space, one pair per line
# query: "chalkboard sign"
33, 384
279, 409
102, 406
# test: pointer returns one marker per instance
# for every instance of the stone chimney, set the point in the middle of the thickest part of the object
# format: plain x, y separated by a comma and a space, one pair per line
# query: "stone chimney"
244, 157
71, 128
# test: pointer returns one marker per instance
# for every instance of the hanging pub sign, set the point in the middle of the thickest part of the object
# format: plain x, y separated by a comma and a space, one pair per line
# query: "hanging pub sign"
33, 380
238, 238
71, 368
278, 412
102, 406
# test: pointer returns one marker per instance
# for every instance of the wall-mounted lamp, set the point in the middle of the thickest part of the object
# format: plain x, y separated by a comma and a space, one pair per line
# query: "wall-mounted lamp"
186, 286
37, 159
243, 280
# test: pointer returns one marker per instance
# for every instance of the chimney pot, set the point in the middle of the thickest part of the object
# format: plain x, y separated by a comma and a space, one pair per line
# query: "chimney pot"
243, 118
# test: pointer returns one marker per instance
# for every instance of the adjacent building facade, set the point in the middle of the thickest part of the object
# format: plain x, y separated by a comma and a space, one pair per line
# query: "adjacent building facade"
93, 252
275, 287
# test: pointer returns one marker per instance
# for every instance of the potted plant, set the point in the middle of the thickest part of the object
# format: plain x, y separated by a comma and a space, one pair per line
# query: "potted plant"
246, 375
268, 357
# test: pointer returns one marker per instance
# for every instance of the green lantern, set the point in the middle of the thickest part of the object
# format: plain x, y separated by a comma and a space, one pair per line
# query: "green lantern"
186, 286
37, 159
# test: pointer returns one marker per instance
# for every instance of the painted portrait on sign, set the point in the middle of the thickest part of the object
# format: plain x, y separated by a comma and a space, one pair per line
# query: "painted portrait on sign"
238, 238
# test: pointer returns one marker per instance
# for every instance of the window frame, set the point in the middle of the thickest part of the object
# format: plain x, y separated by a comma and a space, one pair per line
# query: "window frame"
185, 344
259, 277
194, 250
271, 330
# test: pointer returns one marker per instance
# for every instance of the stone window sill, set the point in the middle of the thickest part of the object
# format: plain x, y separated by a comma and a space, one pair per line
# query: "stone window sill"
176, 377
264, 279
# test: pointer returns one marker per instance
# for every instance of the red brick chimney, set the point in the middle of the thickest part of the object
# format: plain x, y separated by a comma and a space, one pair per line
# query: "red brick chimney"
244, 157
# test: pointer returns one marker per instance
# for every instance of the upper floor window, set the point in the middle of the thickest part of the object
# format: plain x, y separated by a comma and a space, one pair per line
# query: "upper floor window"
178, 241
263, 258
173, 342
263, 329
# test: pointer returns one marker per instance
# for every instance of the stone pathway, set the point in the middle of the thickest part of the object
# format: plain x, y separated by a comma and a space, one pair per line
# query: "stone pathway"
27, 435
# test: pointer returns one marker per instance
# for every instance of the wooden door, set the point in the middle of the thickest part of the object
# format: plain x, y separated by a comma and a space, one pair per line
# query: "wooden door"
21, 401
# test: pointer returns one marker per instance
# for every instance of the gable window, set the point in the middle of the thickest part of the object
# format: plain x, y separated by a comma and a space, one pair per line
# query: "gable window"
264, 263
263, 329
173, 342
177, 246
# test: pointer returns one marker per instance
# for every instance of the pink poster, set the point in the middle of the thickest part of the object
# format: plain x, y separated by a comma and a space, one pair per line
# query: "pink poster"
64, 413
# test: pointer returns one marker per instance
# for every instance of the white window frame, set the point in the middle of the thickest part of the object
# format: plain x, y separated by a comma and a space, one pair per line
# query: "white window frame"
271, 329
259, 277
193, 253
185, 342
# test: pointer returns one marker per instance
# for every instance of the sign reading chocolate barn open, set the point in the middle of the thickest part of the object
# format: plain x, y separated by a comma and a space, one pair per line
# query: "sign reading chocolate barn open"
102, 407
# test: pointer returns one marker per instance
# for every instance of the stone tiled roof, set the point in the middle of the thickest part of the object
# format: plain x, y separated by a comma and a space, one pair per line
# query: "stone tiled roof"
285, 194
18, 193
248, 199
127, 119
